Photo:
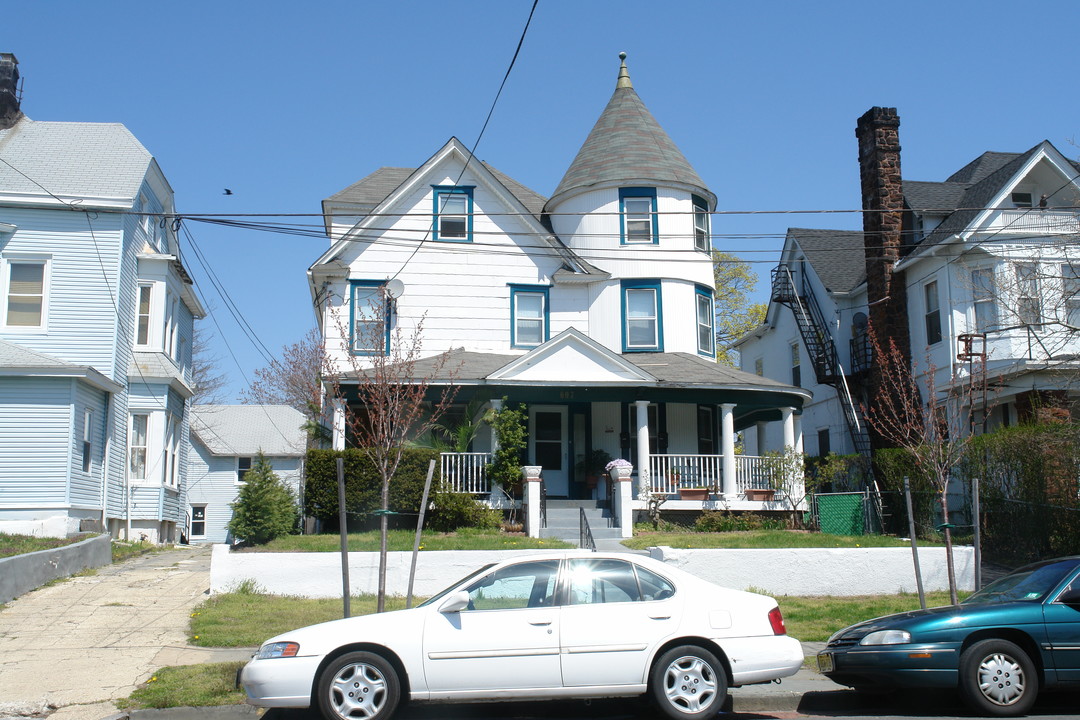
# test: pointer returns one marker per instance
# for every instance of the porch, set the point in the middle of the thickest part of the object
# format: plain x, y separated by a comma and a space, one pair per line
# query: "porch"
696, 478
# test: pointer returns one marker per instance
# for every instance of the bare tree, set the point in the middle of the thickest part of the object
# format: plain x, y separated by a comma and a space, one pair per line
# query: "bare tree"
930, 420
207, 380
294, 379
392, 391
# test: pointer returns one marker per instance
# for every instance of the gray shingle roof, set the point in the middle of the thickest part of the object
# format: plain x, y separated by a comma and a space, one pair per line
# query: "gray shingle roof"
837, 256
981, 166
627, 145
17, 356
96, 160
276, 430
933, 196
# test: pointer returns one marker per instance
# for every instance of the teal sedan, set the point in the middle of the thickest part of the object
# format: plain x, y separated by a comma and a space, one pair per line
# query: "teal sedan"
998, 648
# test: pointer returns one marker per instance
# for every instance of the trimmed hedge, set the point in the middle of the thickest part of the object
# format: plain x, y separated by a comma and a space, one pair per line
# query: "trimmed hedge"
447, 511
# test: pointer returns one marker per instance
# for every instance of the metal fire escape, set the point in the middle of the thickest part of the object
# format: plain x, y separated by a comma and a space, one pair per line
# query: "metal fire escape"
821, 348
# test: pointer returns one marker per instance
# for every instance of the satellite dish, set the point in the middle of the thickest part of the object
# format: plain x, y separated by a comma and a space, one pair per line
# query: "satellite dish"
395, 288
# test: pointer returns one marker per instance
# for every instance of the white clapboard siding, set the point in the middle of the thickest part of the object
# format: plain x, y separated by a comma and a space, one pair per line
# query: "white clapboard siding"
86, 486
35, 432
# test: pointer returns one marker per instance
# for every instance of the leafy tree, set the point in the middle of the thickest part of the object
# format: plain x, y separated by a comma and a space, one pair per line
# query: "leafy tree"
735, 314
294, 380
512, 436
264, 507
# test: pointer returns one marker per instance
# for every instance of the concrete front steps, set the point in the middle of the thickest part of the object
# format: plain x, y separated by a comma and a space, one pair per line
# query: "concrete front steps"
563, 520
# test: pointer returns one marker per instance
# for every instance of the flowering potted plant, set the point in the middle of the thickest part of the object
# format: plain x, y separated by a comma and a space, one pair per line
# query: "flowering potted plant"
592, 465
619, 468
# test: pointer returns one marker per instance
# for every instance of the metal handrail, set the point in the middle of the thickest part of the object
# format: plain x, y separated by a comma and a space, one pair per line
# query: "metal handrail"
585, 538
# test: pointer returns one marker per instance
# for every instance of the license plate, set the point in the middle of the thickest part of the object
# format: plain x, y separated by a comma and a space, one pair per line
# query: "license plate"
825, 662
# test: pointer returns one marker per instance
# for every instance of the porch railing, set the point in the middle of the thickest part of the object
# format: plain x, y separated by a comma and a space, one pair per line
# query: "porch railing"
466, 472
671, 472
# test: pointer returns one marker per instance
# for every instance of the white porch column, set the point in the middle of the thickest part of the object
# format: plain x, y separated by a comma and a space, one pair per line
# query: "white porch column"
644, 476
624, 506
339, 424
798, 433
788, 415
727, 448
496, 405
531, 475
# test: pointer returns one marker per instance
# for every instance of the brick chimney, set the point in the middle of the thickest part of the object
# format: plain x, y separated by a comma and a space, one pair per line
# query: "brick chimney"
9, 91
883, 209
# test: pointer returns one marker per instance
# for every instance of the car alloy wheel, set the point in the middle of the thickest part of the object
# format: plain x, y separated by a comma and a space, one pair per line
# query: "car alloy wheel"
688, 682
998, 678
359, 686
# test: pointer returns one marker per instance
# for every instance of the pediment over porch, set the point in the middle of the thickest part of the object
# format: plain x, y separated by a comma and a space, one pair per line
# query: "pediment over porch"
569, 358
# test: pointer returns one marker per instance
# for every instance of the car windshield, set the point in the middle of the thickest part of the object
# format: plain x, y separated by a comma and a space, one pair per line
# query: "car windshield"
1031, 583
456, 583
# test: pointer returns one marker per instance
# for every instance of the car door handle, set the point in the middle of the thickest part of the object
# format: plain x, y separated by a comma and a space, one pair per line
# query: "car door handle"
660, 617
541, 620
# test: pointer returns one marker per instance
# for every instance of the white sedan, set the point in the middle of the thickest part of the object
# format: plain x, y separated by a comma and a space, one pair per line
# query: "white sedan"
543, 626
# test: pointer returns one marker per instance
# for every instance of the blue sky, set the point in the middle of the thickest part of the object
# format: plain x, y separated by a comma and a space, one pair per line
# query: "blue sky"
286, 103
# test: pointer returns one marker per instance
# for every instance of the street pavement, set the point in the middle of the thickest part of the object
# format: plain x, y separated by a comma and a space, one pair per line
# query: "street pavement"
73, 647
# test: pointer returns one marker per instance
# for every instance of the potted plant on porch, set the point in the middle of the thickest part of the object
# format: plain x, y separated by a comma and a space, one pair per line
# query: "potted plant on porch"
592, 465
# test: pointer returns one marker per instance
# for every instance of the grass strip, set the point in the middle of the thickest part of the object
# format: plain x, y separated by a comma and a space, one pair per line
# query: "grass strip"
402, 541
187, 686
755, 539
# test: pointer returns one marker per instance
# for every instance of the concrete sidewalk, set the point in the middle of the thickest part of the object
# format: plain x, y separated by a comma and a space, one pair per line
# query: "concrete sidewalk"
79, 644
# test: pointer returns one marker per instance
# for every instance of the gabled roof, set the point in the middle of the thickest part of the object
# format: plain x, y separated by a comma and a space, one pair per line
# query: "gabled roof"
19, 361
276, 430
837, 256
981, 166
627, 146
933, 197
98, 163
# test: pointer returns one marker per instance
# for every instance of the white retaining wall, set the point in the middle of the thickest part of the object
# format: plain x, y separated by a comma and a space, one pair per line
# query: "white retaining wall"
811, 571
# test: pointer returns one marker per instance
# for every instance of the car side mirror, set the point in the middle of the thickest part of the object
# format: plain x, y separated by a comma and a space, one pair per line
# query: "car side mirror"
456, 602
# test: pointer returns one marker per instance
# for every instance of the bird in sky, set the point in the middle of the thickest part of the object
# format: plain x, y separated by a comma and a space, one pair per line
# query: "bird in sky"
227, 192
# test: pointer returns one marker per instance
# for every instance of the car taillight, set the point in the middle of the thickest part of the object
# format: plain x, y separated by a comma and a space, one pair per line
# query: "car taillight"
776, 619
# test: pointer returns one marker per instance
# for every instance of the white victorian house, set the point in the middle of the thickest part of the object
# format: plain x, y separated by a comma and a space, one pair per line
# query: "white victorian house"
593, 307
984, 277
96, 321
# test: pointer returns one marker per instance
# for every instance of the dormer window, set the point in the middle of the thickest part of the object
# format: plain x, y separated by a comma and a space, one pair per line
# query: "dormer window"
453, 214
637, 216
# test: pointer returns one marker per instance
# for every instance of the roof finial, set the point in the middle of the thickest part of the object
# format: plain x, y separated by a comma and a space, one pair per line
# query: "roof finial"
624, 74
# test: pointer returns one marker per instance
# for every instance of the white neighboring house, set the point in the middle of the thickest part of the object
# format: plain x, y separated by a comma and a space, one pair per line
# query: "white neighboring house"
987, 263
96, 321
225, 441
594, 307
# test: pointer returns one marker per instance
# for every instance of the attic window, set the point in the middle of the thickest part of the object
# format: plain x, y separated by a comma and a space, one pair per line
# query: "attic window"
1021, 199
453, 213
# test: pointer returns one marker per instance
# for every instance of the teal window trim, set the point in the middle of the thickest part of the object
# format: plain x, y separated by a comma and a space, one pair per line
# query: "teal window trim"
516, 340
633, 215
702, 224
367, 285
444, 196
704, 301
636, 287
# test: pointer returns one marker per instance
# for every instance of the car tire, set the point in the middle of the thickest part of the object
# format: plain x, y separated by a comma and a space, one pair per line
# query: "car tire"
359, 686
998, 678
687, 683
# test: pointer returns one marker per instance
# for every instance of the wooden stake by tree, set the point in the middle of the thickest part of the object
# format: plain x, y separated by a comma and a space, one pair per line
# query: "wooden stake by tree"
392, 405
935, 431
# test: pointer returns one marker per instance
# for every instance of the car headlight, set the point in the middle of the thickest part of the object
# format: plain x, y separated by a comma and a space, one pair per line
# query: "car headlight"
887, 637
278, 650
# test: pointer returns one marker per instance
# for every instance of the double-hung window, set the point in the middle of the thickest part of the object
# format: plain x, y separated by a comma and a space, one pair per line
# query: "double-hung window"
642, 316
142, 326
453, 213
1028, 303
702, 234
87, 440
137, 446
933, 313
198, 520
637, 216
369, 317
25, 294
1070, 293
706, 338
528, 315
796, 365
983, 300
243, 464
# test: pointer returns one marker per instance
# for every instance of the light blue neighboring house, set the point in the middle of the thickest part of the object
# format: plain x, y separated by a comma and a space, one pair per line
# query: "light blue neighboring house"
96, 321
225, 441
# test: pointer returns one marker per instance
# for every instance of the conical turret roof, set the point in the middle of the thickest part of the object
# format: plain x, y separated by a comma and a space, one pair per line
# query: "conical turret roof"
626, 147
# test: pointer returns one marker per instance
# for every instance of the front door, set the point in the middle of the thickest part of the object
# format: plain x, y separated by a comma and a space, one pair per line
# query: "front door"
548, 447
